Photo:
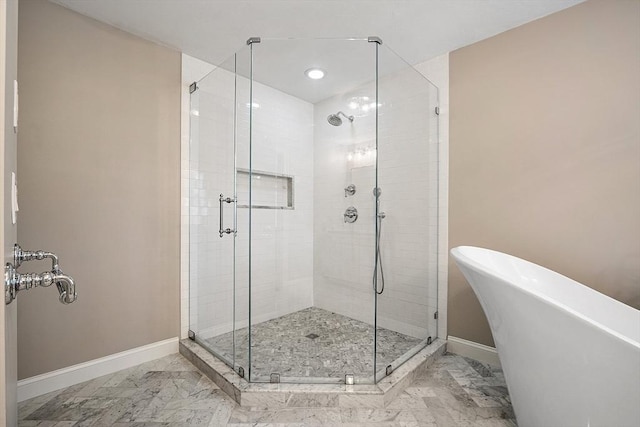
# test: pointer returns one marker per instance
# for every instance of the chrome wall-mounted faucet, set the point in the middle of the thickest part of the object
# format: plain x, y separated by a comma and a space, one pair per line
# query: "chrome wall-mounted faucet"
14, 281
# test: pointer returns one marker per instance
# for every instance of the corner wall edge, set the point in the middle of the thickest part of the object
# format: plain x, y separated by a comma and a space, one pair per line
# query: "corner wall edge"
480, 352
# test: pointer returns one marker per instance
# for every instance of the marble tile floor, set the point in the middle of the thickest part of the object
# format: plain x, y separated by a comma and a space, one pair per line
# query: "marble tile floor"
313, 343
453, 392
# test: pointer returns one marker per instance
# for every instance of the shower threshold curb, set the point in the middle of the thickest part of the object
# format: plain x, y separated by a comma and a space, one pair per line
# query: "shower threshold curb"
311, 395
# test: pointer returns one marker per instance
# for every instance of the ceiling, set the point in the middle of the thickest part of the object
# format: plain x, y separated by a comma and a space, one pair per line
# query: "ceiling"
213, 30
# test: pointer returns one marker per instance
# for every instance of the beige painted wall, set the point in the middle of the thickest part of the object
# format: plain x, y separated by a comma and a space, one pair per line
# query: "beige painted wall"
99, 175
545, 152
8, 160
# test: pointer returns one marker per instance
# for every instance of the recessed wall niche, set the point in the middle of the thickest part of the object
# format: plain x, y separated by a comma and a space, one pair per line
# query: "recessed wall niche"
269, 190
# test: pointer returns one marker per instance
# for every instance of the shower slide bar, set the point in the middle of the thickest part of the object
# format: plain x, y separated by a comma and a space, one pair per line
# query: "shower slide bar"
223, 200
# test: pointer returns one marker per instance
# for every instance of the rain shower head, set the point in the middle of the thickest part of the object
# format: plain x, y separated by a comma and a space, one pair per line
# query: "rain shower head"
335, 120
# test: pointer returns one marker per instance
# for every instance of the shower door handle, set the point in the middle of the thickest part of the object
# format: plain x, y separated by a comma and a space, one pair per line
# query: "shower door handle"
224, 200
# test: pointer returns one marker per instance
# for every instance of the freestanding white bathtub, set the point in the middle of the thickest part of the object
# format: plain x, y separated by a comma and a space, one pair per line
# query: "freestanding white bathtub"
570, 355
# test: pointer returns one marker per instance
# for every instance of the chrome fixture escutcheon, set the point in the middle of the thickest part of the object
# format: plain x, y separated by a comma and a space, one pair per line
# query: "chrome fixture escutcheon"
9, 283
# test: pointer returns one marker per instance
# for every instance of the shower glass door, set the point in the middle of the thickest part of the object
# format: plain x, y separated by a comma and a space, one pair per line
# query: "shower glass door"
218, 236
312, 304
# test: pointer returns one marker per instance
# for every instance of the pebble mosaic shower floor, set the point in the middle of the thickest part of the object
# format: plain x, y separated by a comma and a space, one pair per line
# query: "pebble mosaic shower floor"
313, 343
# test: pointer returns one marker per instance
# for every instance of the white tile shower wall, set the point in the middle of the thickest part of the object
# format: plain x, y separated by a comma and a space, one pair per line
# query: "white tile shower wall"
211, 173
437, 70
193, 69
408, 173
408, 177
343, 251
282, 239
282, 260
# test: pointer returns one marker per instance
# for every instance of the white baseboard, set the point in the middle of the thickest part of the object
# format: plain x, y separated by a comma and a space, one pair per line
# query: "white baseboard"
65, 377
480, 352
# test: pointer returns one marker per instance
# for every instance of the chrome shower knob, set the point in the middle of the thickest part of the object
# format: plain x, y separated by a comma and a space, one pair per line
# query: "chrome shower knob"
351, 215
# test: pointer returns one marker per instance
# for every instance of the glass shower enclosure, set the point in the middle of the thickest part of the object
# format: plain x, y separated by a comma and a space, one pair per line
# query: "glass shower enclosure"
313, 211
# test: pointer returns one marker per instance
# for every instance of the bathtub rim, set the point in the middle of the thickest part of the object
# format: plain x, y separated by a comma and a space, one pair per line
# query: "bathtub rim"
458, 253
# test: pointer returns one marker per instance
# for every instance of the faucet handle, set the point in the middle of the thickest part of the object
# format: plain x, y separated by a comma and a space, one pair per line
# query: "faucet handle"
20, 255
349, 190
351, 215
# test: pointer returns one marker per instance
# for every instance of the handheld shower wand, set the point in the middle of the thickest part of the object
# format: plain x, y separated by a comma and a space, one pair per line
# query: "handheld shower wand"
378, 261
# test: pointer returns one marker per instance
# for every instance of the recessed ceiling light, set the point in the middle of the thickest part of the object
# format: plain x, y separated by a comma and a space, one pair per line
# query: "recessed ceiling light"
315, 73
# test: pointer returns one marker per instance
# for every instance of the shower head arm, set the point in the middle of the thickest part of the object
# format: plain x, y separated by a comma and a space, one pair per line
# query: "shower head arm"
350, 118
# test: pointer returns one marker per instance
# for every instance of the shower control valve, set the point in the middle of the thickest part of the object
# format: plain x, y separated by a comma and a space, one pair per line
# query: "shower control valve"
349, 190
351, 215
